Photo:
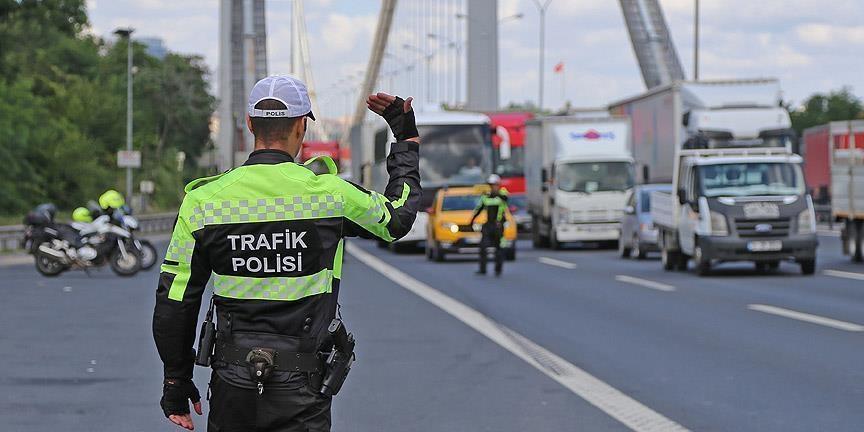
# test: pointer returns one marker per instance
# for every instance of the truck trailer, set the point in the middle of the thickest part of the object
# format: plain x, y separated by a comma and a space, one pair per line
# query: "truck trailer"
847, 188
577, 171
818, 144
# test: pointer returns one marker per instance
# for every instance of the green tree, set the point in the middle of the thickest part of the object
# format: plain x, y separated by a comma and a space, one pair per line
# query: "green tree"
821, 108
63, 108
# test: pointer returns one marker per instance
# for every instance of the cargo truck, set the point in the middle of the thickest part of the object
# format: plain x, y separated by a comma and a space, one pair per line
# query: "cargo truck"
847, 189
738, 188
577, 171
817, 147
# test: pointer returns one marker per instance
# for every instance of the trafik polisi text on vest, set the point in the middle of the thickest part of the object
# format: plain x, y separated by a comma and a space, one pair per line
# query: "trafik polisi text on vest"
282, 241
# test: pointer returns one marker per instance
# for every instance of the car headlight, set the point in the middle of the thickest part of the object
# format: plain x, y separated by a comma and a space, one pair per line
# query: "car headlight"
718, 224
806, 222
450, 226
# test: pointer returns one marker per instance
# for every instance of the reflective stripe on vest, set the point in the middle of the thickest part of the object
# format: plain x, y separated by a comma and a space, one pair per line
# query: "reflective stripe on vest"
273, 288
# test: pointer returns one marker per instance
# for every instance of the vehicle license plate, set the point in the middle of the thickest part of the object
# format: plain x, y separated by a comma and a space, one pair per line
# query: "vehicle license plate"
765, 246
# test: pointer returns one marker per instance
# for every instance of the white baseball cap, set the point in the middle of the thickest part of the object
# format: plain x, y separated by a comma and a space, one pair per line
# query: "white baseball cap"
283, 88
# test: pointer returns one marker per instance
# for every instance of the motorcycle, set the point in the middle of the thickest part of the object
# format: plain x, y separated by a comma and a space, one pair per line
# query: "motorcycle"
145, 249
58, 247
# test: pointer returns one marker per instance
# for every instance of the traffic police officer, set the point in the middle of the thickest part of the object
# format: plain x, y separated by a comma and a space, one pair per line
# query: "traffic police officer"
495, 204
271, 233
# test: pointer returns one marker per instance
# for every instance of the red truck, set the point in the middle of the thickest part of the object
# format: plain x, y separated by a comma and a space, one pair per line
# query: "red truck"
508, 159
313, 149
817, 145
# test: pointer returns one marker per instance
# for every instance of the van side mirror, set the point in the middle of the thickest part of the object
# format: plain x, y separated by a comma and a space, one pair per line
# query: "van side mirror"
682, 196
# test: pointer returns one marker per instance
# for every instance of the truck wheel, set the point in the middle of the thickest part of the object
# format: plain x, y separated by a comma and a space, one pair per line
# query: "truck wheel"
668, 259
537, 240
808, 267
623, 248
855, 236
553, 240
636, 250
682, 262
703, 263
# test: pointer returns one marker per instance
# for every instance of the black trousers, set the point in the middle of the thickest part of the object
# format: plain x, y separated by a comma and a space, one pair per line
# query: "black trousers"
236, 409
491, 239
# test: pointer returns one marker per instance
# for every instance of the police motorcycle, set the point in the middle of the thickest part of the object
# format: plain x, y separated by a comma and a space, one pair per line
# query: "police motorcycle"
146, 250
113, 204
58, 247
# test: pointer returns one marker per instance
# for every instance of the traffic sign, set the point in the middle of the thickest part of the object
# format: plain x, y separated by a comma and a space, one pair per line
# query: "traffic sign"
129, 159
146, 187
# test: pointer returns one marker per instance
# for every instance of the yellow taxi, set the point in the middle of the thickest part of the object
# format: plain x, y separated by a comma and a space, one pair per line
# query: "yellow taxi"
449, 229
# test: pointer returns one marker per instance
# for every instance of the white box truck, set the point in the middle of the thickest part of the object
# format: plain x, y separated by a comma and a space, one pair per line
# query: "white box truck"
577, 171
738, 188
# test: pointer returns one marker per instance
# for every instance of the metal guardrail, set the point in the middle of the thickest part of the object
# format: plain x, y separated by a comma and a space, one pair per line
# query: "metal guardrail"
11, 235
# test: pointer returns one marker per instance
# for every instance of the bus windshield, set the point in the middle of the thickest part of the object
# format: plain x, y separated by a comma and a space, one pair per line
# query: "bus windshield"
747, 179
454, 154
594, 176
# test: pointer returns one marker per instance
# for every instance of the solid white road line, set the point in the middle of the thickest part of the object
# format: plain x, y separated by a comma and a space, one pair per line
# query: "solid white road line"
619, 406
659, 286
844, 274
557, 263
801, 316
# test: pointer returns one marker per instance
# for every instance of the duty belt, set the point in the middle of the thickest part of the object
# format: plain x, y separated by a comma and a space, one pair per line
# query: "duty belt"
282, 361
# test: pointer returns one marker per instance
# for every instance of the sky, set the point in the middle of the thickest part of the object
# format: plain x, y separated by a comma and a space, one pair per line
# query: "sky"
810, 45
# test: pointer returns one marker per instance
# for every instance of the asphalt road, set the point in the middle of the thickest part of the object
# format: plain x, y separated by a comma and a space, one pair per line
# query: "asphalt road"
734, 351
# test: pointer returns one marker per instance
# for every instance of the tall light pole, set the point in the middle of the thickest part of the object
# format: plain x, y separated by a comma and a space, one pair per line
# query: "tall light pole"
428, 56
541, 7
696, 42
127, 34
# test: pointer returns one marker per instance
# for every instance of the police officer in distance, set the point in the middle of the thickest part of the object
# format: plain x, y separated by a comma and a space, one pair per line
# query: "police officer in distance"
495, 204
271, 234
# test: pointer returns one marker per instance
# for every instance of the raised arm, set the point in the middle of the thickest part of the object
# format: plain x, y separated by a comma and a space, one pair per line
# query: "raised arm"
389, 216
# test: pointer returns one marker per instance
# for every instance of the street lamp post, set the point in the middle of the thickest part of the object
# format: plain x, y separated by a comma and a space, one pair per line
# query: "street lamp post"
541, 7
428, 56
696, 42
127, 34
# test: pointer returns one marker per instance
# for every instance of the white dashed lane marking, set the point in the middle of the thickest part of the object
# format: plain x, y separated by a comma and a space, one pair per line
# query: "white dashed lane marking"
610, 400
659, 286
556, 263
806, 317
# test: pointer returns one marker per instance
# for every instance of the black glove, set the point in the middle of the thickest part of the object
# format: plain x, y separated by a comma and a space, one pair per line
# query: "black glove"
176, 395
401, 123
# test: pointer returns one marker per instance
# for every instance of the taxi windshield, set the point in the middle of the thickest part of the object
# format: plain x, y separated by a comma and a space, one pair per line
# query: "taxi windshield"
459, 202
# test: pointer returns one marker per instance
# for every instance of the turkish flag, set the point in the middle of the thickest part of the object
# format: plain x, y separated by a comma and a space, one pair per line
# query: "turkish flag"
558, 67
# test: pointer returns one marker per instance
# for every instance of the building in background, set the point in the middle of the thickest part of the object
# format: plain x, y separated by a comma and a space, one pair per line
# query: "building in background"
242, 62
155, 46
